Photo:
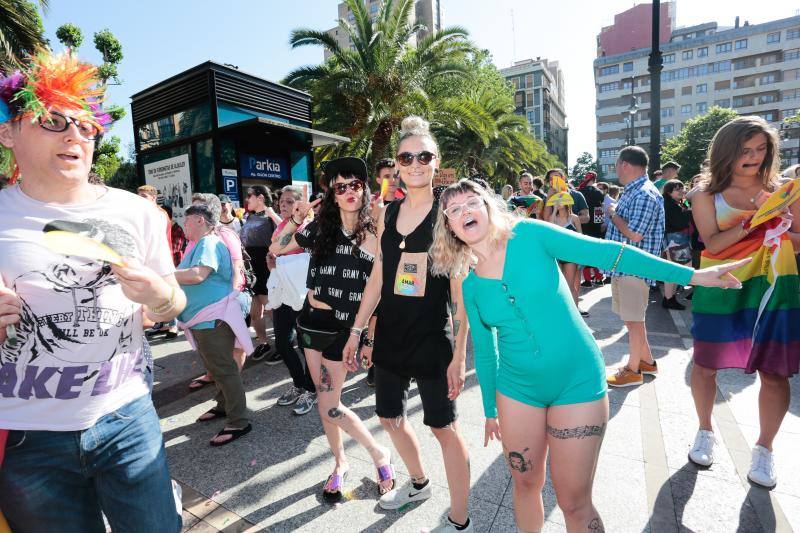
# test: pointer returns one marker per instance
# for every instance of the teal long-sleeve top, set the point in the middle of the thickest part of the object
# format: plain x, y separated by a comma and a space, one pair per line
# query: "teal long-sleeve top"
528, 335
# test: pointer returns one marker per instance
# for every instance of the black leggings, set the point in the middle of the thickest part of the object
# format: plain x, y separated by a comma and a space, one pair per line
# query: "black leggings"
283, 321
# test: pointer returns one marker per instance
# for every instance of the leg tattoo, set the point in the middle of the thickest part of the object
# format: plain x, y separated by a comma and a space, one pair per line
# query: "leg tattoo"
335, 413
596, 526
580, 432
517, 461
325, 380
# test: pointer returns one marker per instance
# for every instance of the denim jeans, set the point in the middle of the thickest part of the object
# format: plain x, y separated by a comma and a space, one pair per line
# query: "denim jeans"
62, 480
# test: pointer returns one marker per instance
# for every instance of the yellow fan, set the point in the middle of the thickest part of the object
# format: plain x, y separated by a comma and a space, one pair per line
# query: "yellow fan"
69, 243
788, 194
560, 198
558, 183
384, 188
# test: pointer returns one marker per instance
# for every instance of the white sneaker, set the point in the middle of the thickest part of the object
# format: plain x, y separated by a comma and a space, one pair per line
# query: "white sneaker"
448, 527
762, 469
396, 498
702, 453
305, 403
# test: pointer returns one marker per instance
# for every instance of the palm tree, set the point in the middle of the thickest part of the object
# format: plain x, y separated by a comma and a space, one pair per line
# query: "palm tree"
365, 91
21, 31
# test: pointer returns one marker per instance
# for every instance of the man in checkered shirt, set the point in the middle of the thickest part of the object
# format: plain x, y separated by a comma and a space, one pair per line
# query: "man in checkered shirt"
637, 220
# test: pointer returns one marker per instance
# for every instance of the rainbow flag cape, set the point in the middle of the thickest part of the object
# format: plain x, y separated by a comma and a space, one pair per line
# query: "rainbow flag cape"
756, 327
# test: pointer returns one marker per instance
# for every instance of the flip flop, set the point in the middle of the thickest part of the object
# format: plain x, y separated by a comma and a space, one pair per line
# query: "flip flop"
199, 383
386, 473
332, 490
234, 433
215, 413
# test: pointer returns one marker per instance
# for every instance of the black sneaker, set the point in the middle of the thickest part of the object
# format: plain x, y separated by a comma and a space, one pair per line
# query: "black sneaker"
583, 313
273, 358
598, 283
607, 281
261, 351
586, 283
672, 303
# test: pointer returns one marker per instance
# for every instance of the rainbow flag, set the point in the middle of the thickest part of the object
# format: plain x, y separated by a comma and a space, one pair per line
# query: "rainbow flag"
758, 326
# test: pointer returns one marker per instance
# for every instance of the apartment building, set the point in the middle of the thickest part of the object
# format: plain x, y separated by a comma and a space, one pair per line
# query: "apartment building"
751, 68
426, 12
539, 96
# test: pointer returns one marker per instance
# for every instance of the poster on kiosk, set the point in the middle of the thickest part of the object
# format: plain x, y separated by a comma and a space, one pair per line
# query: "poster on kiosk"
173, 180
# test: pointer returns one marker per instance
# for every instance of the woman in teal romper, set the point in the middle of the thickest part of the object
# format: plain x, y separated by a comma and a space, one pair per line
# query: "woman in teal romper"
541, 373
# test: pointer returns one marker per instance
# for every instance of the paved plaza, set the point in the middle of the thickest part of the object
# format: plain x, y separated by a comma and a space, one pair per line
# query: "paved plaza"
272, 479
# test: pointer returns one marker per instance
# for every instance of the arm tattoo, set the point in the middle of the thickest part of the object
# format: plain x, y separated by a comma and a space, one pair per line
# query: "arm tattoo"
580, 432
286, 239
456, 326
335, 413
517, 461
325, 380
596, 526
454, 308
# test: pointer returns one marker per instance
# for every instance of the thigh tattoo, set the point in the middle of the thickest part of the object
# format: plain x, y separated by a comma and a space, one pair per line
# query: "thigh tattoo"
579, 432
517, 461
325, 380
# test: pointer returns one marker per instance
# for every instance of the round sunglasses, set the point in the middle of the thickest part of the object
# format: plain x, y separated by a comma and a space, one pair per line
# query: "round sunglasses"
406, 158
341, 188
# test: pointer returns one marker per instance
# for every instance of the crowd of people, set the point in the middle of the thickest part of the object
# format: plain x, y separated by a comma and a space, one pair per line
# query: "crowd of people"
394, 282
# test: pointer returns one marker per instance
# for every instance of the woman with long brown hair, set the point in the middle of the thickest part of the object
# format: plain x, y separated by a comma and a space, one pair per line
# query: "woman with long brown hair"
755, 328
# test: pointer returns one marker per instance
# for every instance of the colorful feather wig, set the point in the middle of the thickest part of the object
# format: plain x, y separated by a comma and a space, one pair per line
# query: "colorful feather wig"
50, 82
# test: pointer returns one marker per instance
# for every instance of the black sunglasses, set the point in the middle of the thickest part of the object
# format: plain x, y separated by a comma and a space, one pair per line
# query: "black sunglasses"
57, 122
406, 158
341, 188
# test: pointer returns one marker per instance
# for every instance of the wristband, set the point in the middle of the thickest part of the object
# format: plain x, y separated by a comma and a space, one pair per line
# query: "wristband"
296, 223
369, 343
619, 256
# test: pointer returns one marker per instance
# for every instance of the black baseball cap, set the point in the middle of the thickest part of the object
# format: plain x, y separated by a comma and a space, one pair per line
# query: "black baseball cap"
345, 166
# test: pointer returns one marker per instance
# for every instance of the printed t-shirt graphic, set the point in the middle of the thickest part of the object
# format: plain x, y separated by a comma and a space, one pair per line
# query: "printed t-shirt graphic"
78, 353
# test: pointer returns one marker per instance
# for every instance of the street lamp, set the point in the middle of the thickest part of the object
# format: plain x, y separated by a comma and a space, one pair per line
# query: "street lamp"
632, 110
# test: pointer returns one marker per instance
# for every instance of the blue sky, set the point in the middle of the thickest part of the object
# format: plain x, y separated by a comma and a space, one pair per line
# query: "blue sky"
162, 38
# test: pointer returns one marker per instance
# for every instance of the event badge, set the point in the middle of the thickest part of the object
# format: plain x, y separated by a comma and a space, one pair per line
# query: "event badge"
412, 272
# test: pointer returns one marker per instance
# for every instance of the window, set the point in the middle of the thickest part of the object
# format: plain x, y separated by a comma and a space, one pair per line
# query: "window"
669, 58
529, 80
769, 116
766, 98
722, 85
529, 115
725, 102
519, 99
373, 8
607, 71
767, 79
774, 37
724, 47
741, 44
627, 67
770, 59
176, 126
686, 109
521, 82
702, 52
606, 87
791, 94
667, 128
626, 84
745, 62
529, 99
686, 91
794, 53
701, 88
788, 113
537, 97
702, 107
609, 152
794, 33
687, 54
667, 112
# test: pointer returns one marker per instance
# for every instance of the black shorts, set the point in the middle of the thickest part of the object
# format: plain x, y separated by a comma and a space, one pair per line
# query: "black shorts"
391, 397
325, 320
258, 261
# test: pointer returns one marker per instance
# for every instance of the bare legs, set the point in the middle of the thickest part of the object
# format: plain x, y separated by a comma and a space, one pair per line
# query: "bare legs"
454, 454
570, 271
773, 401
328, 377
639, 346
257, 317
573, 433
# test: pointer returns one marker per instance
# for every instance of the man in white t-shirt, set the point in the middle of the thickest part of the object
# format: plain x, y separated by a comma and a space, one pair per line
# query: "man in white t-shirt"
84, 437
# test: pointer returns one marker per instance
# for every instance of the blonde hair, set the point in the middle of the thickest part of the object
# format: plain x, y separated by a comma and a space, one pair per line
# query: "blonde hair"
296, 191
726, 147
450, 256
416, 126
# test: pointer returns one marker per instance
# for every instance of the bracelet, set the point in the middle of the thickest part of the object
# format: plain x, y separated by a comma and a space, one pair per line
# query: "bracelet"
166, 306
619, 256
369, 343
356, 332
296, 223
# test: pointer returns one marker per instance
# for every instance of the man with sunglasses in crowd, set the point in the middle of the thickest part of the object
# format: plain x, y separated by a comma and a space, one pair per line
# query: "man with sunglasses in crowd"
85, 439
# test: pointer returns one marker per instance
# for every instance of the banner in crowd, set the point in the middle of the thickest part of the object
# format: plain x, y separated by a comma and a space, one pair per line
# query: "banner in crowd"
445, 176
172, 178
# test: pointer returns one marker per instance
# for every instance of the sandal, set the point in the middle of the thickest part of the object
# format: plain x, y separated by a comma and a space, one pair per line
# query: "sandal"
199, 383
213, 415
386, 473
332, 490
234, 433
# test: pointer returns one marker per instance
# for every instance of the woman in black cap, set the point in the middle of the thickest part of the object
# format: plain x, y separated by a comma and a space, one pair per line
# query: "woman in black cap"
342, 244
